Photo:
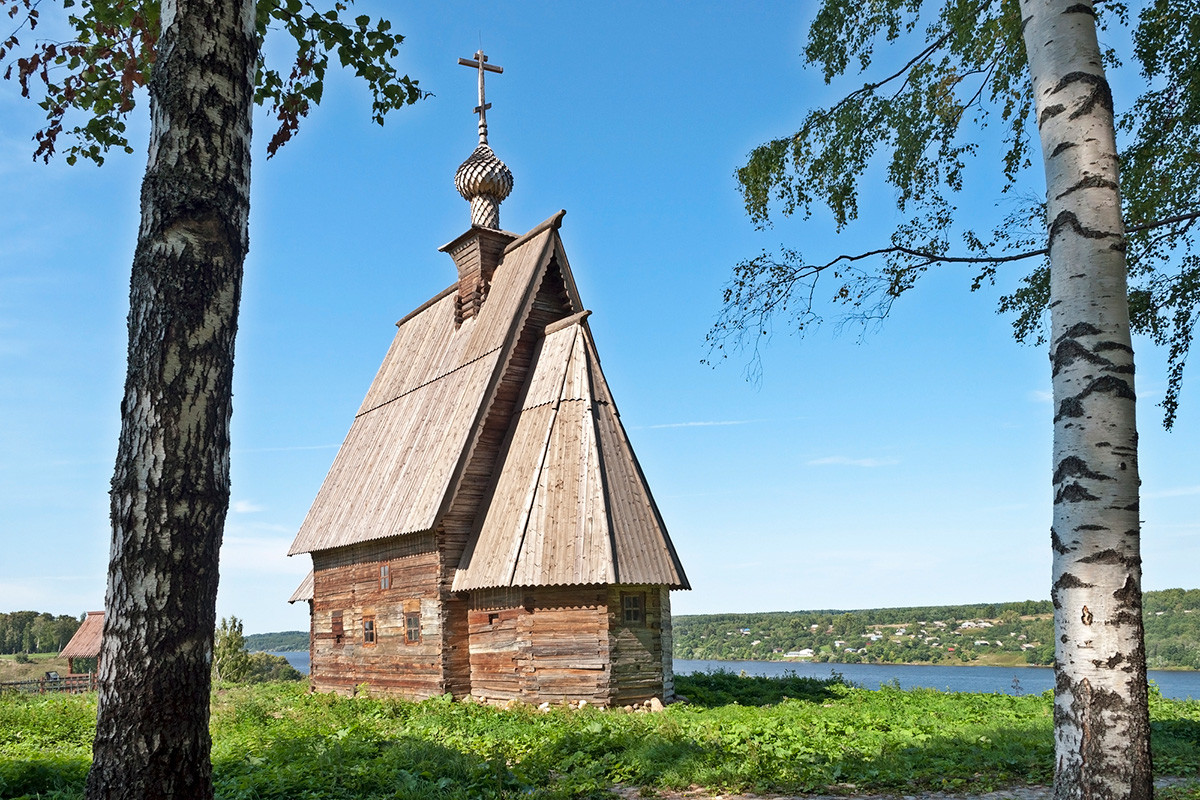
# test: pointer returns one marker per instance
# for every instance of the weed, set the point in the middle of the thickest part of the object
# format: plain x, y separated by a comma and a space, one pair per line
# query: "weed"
276, 740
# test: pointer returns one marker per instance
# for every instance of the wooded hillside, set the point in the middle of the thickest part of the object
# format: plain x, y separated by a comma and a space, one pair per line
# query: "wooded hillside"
990, 632
281, 642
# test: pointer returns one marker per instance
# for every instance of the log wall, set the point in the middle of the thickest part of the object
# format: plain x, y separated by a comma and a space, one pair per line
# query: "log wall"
347, 580
638, 656
545, 644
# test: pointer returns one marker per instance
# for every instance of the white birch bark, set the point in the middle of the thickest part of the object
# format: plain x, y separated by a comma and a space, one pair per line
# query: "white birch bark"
170, 490
1101, 720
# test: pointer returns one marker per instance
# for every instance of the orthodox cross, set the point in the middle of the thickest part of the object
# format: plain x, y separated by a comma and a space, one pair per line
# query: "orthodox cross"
480, 63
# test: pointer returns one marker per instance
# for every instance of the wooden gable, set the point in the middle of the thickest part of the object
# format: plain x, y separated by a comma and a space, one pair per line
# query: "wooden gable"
570, 504
396, 470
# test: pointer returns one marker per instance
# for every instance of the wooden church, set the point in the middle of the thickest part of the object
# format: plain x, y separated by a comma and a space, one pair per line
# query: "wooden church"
485, 529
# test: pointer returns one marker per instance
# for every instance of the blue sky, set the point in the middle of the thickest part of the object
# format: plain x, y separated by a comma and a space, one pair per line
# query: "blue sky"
908, 466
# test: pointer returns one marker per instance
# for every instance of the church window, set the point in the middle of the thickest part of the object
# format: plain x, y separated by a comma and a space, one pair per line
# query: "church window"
412, 627
633, 608
385, 577
369, 629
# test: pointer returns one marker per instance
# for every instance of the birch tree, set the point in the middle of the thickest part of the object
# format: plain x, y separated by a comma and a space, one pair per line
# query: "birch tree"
1032, 66
170, 492
1101, 712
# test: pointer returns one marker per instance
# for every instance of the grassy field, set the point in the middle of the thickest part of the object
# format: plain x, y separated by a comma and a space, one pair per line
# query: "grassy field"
736, 734
39, 664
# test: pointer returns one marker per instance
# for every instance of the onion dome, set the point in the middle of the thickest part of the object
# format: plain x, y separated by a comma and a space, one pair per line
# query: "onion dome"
484, 180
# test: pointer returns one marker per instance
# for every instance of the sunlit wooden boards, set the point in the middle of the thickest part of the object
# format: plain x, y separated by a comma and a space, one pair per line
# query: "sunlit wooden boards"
570, 505
485, 528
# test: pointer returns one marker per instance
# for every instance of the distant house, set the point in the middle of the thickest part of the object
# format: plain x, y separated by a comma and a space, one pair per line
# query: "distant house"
485, 529
86, 641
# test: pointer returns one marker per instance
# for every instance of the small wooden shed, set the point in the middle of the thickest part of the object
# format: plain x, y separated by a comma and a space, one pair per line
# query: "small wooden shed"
485, 529
86, 641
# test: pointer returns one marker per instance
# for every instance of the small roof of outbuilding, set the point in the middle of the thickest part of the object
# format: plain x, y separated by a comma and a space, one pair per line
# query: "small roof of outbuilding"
304, 591
86, 641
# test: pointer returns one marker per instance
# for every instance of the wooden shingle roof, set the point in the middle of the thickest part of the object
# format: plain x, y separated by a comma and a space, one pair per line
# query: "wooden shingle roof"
398, 464
571, 505
304, 591
568, 505
86, 641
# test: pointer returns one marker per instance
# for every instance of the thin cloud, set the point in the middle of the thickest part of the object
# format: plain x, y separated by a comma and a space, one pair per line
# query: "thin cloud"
852, 462
257, 555
1181, 491
701, 424
1041, 396
287, 449
246, 507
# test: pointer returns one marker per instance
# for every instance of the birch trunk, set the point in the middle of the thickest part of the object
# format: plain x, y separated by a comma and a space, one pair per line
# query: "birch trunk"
170, 490
1101, 719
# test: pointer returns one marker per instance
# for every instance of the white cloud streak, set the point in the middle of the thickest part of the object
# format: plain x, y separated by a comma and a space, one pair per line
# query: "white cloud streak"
700, 424
852, 462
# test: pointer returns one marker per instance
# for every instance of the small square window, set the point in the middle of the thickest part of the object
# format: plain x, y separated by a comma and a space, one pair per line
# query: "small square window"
632, 608
369, 630
412, 627
385, 577
493, 619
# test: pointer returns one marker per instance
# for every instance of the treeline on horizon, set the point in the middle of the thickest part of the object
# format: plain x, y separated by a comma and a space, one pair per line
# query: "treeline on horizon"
281, 642
36, 632
1021, 631
1024, 629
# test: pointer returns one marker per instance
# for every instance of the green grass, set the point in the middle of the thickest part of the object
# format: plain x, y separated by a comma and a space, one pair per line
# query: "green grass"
738, 734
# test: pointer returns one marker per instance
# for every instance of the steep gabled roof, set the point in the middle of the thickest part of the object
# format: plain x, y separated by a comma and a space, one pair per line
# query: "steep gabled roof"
86, 641
571, 505
398, 465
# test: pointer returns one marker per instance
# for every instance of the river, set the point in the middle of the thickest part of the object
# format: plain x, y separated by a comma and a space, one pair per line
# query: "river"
1006, 680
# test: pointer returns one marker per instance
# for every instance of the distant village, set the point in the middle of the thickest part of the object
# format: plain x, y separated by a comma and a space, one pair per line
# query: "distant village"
1001, 633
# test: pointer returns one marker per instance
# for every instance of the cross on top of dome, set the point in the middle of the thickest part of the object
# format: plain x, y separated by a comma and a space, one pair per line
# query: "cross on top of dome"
483, 179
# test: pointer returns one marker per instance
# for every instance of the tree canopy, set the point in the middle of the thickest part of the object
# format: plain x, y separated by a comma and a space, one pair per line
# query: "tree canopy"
87, 83
965, 68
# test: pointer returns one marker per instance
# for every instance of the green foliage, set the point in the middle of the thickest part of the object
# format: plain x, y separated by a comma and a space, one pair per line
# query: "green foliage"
267, 667
34, 632
230, 661
277, 740
94, 75
965, 68
1017, 633
720, 688
233, 664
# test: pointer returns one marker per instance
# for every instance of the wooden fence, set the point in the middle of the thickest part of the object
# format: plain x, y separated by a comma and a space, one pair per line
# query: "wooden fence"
73, 684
